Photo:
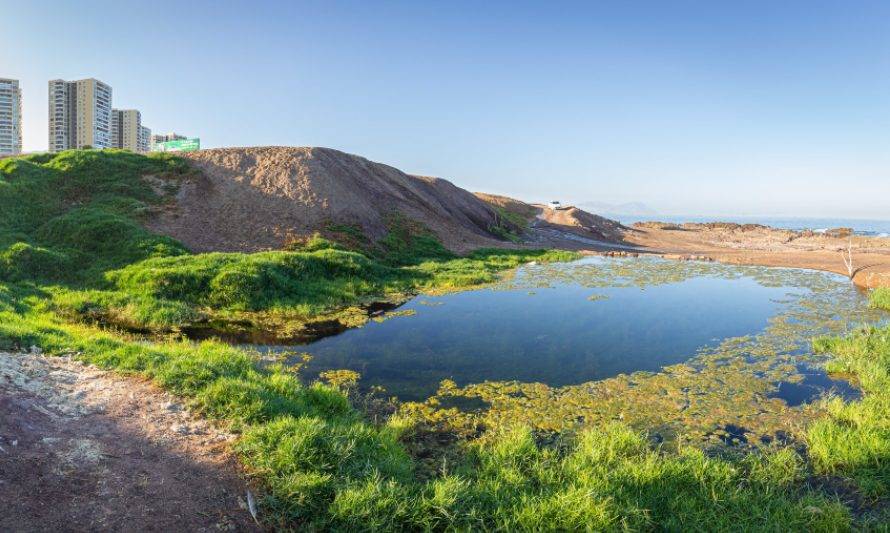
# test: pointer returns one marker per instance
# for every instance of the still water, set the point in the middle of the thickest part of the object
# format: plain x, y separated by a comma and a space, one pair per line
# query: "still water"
568, 324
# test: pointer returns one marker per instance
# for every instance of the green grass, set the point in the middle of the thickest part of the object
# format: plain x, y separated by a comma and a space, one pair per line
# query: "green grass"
71, 247
854, 440
71, 216
165, 292
880, 298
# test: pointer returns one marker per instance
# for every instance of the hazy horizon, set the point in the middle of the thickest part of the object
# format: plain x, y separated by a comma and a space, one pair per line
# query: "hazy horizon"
714, 110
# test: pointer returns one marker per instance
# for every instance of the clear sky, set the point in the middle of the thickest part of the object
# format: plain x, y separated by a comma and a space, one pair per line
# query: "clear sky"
732, 108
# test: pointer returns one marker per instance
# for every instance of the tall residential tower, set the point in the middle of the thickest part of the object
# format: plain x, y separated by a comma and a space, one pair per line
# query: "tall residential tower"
79, 114
10, 117
145, 139
127, 131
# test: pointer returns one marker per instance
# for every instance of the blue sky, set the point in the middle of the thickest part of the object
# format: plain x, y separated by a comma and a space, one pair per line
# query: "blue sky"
732, 108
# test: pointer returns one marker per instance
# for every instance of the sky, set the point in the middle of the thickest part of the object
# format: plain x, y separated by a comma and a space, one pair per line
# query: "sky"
705, 108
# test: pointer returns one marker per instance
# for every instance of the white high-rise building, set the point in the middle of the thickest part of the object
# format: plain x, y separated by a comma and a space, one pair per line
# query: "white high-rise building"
79, 114
10, 117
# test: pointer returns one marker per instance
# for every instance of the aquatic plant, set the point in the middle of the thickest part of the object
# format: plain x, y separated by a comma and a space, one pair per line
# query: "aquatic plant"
733, 383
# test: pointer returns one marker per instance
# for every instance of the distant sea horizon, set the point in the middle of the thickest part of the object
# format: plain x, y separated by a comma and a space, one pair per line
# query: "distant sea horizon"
866, 227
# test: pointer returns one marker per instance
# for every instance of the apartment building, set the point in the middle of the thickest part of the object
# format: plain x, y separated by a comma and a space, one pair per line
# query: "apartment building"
126, 129
10, 117
80, 114
144, 139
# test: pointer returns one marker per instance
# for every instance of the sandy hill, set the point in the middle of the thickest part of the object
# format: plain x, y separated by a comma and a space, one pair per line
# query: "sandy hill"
248, 199
512, 205
546, 224
582, 223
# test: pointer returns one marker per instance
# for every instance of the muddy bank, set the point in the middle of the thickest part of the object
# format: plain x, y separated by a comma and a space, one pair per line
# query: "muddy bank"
85, 450
760, 245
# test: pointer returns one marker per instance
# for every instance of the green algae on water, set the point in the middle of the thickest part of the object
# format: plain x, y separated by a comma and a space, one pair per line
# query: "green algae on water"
730, 385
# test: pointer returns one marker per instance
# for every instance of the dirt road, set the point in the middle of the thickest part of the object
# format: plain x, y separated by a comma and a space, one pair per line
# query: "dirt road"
85, 450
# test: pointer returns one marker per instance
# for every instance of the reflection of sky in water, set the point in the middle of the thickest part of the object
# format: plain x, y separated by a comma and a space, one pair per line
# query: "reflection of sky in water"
814, 384
556, 335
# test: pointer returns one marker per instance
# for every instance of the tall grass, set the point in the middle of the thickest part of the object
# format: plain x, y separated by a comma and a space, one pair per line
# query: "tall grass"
880, 298
68, 217
854, 440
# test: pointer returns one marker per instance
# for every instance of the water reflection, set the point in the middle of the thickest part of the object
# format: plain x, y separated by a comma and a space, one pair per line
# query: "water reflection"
543, 326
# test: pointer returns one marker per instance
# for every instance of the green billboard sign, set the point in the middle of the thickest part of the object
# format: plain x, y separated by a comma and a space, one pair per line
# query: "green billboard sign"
180, 145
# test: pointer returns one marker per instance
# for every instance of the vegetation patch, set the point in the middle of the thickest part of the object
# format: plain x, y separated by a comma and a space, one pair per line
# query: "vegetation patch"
880, 298
513, 218
854, 439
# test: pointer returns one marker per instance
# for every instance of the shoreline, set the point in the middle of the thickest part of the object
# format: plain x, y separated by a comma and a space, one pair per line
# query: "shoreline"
762, 246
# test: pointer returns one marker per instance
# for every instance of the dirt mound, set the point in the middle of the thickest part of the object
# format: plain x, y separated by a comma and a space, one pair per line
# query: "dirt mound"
583, 223
249, 199
511, 205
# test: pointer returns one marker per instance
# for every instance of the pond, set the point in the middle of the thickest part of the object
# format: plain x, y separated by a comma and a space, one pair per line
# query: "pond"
562, 326
558, 335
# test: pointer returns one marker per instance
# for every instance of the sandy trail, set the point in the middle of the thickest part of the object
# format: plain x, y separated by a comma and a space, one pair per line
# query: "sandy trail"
85, 450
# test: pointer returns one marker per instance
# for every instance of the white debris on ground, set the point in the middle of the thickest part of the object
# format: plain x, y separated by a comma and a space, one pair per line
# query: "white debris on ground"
79, 445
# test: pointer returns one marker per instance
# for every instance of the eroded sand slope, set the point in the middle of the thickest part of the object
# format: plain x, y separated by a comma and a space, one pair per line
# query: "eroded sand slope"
250, 199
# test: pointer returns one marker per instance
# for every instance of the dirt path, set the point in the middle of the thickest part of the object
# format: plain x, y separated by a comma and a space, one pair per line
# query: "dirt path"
85, 450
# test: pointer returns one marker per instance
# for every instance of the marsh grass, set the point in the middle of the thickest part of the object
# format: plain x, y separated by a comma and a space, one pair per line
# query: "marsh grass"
854, 440
880, 298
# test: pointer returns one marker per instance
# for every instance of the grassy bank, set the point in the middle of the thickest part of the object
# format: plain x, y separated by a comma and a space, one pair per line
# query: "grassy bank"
70, 223
880, 298
71, 247
854, 441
